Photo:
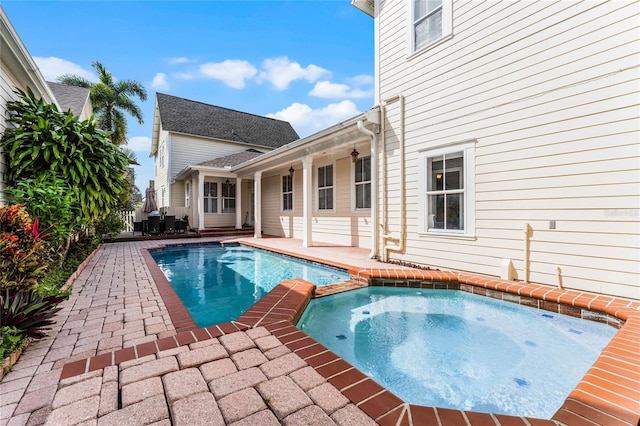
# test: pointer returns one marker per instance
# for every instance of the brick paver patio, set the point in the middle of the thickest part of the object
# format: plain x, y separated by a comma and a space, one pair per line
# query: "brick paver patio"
119, 354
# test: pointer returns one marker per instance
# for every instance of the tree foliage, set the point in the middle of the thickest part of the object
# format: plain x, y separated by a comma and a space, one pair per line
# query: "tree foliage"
111, 99
47, 144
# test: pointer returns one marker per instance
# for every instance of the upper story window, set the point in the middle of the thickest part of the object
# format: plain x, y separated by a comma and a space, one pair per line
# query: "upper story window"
210, 197
325, 187
228, 197
448, 197
287, 193
161, 154
362, 182
431, 22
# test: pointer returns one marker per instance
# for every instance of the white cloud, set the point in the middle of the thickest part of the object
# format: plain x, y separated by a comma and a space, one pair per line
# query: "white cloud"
307, 120
281, 71
52, 68
182, 75
232, 72
180, 60
139, 143
160, 81
329, 90
362, 80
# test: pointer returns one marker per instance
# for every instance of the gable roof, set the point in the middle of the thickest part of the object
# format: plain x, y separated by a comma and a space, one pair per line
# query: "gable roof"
231, 160
70, 97
200, 119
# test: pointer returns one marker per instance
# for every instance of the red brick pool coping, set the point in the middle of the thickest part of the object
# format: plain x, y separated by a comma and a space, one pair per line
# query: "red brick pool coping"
608, 394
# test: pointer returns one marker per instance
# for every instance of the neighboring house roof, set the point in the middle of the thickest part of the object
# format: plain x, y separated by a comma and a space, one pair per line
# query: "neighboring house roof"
231, 160
200, 119
70, 97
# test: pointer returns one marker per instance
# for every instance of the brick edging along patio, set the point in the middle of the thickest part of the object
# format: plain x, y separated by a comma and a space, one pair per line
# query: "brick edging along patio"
596, 397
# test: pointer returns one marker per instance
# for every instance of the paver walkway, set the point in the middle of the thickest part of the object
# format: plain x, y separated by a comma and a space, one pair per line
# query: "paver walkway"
127, 361
247, 377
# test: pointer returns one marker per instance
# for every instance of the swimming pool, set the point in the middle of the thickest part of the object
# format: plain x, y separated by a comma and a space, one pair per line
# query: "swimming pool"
457, 350
217, 283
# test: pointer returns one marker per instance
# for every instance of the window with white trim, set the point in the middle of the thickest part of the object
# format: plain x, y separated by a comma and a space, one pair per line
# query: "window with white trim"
210, 197
325, 187
447, 178
431, 22
362, 182
287, 193
228, 197
187, 193
161, 154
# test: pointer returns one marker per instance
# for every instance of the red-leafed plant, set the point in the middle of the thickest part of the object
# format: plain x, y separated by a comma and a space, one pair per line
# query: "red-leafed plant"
22, 252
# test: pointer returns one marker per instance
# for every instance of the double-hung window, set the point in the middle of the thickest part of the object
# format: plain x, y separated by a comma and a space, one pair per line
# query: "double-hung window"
431, 22
325, 187
448, 180
210, 197
187, 193
228, 197
287, 193
362, 183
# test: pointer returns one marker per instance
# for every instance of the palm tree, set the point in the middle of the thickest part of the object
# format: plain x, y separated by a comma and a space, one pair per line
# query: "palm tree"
111, 100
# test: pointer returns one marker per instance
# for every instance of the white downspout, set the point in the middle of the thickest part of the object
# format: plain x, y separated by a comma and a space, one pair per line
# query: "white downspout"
527, 234
374, 189
400, 247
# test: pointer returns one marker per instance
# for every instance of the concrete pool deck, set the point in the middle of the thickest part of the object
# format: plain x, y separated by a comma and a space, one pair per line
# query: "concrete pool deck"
124, 351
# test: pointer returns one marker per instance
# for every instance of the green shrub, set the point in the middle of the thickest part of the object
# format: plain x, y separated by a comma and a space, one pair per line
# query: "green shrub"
10, 339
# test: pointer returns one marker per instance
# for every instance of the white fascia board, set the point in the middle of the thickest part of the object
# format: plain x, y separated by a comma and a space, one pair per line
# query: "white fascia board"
28, 69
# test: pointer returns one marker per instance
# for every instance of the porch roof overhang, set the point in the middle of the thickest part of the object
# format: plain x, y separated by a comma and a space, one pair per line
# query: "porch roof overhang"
338, 135
206, 170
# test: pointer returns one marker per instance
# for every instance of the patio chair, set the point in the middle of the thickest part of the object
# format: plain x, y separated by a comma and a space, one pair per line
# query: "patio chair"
169, 224
137, 227
154, 225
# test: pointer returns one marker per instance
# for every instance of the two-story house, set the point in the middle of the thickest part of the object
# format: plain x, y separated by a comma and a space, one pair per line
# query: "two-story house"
195, 145
504, 141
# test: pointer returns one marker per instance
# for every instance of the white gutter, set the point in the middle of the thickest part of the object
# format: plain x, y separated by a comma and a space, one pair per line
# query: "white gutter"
374, 188
400, 247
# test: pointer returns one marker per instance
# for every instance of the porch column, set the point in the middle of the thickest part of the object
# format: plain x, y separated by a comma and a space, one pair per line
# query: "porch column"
307, 201
257, 196
200, 201
238, 203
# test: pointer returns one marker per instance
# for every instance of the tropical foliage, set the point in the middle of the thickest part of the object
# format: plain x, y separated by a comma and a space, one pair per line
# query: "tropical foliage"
46, 145
111, 99
21, 249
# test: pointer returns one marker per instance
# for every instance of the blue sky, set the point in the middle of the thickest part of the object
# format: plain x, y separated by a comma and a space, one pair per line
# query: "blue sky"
309, 62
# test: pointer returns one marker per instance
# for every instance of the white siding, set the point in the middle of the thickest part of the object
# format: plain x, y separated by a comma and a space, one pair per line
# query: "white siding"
550, 92
185, 150
342, 226
7, 85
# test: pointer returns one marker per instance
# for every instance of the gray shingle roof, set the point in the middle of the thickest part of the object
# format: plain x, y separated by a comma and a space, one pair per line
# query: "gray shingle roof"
200, 119
69, 97
232, 159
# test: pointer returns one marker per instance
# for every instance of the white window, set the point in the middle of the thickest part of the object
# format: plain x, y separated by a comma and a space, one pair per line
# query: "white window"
161, 154
228, 197
447, 181
210, 197
163, 192
287, 193
362, 182
325, 188
187, 193
432, 21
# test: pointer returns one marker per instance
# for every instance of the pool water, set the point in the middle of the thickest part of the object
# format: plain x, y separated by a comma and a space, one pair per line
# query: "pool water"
458, 350
217, 283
